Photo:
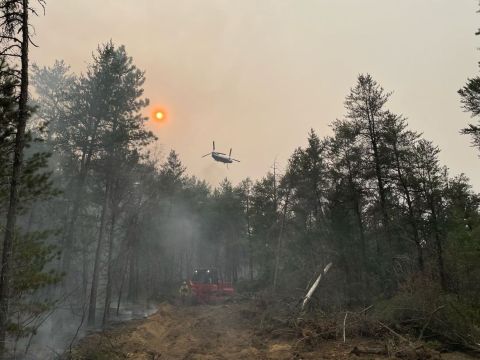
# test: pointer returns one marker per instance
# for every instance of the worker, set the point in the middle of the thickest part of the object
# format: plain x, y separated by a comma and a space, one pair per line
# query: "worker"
184, 291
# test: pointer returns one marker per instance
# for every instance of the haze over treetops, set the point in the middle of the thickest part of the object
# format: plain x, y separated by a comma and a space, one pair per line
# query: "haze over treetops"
257, 75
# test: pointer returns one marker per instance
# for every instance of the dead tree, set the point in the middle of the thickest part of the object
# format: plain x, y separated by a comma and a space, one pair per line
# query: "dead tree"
279, 242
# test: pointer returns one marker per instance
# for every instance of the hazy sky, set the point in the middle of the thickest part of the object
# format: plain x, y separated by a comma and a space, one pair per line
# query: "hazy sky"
257, 75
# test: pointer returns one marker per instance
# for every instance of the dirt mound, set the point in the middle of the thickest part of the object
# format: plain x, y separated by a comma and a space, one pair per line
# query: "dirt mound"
207, 332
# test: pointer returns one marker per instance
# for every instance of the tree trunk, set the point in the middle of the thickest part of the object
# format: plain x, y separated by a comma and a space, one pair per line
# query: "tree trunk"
357, 209
84, 274
363, 246
77, 204
438, 245
250, 241
411, 214
132, 285
279, 243
378, 172
120, 291
14, 182
108, 290
96, 268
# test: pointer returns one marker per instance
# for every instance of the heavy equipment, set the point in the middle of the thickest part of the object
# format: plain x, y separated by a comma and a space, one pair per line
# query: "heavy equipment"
208, 287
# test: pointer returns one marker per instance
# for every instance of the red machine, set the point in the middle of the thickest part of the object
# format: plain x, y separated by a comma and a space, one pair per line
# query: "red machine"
207, 287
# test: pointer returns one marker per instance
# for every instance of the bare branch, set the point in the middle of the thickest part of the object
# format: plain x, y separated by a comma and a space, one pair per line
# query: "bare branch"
42, 3
10, 47
12, 38
31, 41
33, 11
13, 55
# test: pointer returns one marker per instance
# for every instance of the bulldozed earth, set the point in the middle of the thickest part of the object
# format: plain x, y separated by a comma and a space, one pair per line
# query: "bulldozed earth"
240, 330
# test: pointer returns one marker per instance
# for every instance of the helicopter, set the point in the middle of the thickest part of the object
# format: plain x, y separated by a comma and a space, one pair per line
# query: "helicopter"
221, 157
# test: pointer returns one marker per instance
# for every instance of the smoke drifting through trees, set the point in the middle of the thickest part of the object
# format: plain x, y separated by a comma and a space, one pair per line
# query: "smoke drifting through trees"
105, 225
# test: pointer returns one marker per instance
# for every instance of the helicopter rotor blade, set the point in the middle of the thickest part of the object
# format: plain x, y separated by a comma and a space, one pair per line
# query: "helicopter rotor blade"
214, 146
235, 160
230, 153
206, 154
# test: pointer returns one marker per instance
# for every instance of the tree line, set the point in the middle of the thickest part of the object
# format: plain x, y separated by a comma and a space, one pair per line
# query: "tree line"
93, 220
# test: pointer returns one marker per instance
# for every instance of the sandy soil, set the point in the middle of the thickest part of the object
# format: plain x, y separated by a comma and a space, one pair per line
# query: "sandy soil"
210, 332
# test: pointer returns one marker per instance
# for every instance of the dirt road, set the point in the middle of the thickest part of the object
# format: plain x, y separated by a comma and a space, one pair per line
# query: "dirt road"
206, 332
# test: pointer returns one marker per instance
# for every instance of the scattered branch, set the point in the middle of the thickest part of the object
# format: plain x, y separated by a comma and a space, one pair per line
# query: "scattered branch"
428, 321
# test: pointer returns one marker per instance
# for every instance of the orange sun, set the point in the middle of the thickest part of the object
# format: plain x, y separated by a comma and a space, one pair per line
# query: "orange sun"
158, 115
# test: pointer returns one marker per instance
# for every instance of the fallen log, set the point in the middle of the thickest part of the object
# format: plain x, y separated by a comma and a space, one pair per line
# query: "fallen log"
394, 332
314, 286
360, 350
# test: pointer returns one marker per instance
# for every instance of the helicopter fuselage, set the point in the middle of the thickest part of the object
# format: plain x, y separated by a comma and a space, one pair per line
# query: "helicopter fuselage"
221, 158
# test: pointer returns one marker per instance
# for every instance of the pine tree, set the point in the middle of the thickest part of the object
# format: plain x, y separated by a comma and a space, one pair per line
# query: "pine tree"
431, 182
365, 107
118, 99
16, 37
470, 99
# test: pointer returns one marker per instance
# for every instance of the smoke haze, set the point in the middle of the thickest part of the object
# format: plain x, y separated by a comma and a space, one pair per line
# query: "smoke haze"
257, 75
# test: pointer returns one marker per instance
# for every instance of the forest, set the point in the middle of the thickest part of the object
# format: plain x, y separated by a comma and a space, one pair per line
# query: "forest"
95, 220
